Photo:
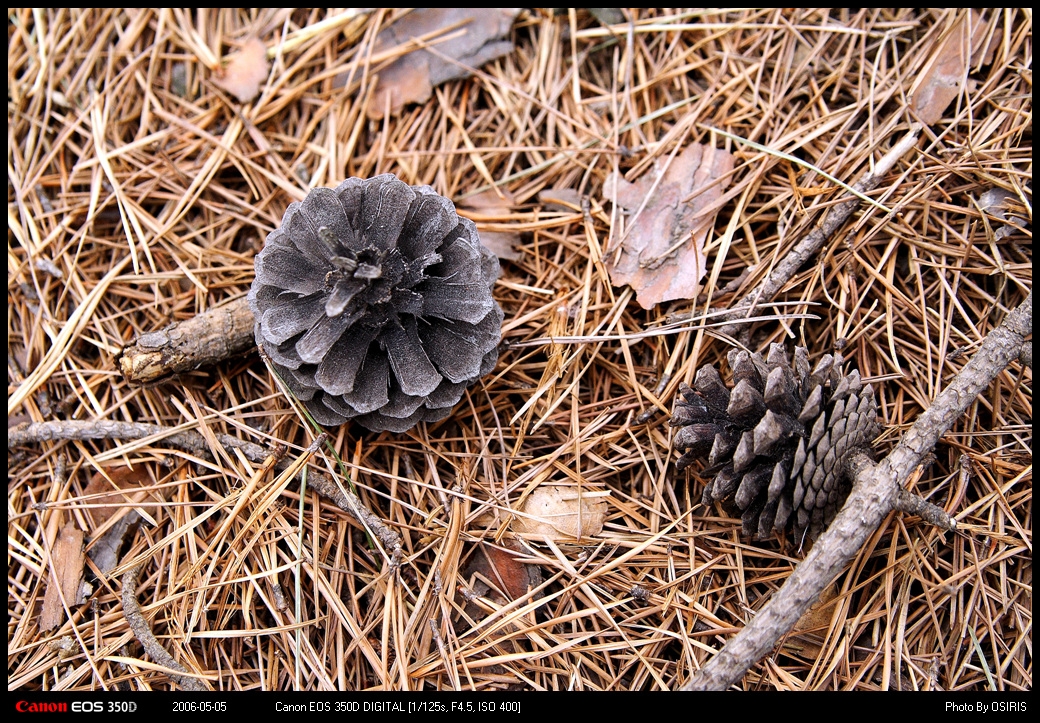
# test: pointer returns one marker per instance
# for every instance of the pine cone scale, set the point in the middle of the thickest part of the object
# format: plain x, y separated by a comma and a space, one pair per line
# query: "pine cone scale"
384, 208
457, 347
812, 407
324, 210
292, 273
431, 218
338, 372
316, 342
414, 371
370, 389
287, 320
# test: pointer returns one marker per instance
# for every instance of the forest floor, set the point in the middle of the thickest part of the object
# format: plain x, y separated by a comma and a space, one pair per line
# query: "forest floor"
140, 187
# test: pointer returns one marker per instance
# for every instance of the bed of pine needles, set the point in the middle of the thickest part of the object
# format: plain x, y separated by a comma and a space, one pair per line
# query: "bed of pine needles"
139, 192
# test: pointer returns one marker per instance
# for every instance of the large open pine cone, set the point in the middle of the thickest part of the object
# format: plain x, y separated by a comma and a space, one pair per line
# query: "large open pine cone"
373, 301
776, 442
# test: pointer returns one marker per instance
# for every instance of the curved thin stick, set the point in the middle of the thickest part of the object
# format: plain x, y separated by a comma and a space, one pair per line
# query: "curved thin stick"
143, 633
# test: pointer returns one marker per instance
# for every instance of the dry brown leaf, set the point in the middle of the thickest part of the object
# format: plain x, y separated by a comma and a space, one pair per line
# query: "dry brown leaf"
67, 559
498, 575
944, 76
245, 71
412, 77
490, 202
562, 513
503, 570
662, 254
815, 621
502, 243
124, 490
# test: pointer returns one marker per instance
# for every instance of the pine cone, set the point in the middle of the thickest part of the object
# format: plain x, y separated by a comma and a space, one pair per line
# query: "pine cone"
776, 441
373, 301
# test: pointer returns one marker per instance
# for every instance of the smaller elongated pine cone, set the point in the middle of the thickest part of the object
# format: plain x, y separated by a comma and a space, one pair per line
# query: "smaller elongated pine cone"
776, 441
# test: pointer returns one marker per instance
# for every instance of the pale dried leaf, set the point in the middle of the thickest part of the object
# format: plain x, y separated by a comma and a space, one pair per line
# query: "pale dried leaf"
412, 77
245, 71
105, 551
65, 647
993, 201
662, 254
67, 559
608, 16
944, 77
494, 204
179, 80
561, 513
997, 202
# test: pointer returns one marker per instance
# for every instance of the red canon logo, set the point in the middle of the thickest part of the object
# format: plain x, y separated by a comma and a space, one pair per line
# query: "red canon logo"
36, 706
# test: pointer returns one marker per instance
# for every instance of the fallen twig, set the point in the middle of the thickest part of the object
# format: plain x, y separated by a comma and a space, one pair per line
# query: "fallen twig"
143, 632
912, 504
194, 442
207, 338
876, 492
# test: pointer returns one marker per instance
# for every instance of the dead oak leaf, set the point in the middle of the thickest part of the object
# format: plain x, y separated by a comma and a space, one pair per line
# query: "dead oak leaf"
560, 199
496, 573
117, 487
492, 202
245, 71
946, 72
507, 578
411, 78
662, 252
813, 624
502, 243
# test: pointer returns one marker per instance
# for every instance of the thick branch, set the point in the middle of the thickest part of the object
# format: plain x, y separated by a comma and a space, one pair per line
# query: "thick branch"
876, 493
207, 338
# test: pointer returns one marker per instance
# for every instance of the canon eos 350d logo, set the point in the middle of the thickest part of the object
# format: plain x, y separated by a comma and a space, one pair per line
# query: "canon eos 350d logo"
75, 706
